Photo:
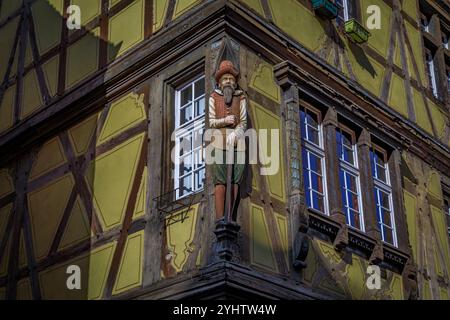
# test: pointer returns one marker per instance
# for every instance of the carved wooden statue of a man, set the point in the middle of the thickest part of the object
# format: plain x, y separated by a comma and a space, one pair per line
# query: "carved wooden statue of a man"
228, 113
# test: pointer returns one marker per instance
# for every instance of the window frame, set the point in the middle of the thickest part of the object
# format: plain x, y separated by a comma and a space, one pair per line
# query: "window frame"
179, 131
445, 40
343, 7
319, 152
447, 75
353, 170
431, 72
446, 206
347, 10
424, 23
386, 187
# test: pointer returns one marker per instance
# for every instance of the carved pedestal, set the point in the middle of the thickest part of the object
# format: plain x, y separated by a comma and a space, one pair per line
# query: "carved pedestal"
227, 236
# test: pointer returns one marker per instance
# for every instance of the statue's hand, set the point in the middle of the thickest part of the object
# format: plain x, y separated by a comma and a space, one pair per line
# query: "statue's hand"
230, 120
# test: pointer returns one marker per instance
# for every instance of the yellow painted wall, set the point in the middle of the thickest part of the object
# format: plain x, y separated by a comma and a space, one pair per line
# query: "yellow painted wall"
368, 72
7, 109
5, 258
50, 156
397, 95
78, 226
50, 69
126, 29
263, 81
89, 9
139, 210
94, 267
46, 207
282, 228
24, 290
182, 6
47, 16
82, 133
411, 219
261, 247
7, 34
440, 226
32, 99
416, 44
422, 118
82, 58
180, 237
264, 119
286, 15
410, 7
439, 118
110, 176
159, 13
379, 39
255, 5
130, 269
4, 218
9, 7
123, 114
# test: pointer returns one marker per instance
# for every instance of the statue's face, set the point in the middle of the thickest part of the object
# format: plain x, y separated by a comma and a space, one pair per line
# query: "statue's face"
227, 80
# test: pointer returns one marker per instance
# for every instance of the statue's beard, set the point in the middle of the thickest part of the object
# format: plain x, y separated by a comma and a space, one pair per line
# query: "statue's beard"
228, 94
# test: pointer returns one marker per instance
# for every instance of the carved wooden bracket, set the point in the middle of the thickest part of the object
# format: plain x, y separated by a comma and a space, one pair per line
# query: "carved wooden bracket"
227, 236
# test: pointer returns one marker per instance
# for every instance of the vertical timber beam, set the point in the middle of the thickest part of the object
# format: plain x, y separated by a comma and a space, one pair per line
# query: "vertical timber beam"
299, 244
368, 201
22, 174
330, 124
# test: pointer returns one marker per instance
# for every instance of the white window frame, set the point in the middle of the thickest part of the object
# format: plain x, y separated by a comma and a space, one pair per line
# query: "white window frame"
386, 188
432, 73
445, 40
318, 151
344, 5
447, 212
196, 124
448, 79
353, 170
425, 24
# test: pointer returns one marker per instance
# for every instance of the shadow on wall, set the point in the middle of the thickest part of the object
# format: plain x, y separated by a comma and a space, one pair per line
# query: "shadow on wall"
362, 59
359, 54
52, 222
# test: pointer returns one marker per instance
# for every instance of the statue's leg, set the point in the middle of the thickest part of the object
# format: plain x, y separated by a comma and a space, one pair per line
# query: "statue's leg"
235, 192
219, 199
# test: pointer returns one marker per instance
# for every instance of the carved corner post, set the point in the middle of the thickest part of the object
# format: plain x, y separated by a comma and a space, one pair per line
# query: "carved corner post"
286, 78
227, 235
330, 124
367, 187
226, 246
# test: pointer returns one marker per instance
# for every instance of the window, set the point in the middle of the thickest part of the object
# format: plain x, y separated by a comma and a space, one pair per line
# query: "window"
431, 70
313, 158
425, 23
447, 211
445, 40
189, 173
346, 10
448, 80
349, 178
383, 195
